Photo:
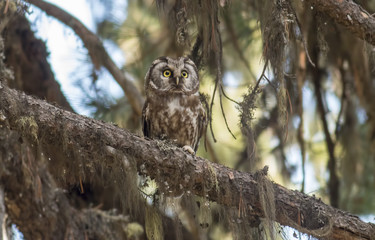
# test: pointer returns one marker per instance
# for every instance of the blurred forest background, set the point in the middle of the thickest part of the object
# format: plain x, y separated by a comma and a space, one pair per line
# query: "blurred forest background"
312, 120
297, 150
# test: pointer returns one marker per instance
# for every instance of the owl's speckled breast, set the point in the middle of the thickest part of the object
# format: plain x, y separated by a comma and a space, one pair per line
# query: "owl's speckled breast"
176, 119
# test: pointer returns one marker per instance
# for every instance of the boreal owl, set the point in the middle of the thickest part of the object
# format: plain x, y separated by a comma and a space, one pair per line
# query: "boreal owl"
173, 109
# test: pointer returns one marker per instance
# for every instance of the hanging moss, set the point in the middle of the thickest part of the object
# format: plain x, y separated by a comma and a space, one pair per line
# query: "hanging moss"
154, 225
267, 200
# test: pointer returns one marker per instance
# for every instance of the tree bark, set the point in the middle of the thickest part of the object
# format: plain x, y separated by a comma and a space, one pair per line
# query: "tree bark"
97, 143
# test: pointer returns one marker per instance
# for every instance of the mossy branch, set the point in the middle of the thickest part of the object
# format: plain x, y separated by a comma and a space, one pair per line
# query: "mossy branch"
349, 14
181, 170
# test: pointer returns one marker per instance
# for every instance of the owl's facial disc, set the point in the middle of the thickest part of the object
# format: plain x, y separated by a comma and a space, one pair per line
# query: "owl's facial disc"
174, 76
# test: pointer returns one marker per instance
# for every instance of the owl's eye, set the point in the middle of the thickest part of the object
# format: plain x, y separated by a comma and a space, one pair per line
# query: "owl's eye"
167, 73
184, 74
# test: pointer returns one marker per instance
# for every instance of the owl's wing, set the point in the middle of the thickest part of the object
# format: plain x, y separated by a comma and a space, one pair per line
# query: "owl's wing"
202, 126
145, 120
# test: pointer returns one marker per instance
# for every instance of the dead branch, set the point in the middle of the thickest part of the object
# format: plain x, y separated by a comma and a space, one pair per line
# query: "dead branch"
97, 52
349, 14
180, 170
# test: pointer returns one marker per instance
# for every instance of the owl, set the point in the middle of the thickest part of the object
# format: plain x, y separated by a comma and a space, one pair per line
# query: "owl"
173, 109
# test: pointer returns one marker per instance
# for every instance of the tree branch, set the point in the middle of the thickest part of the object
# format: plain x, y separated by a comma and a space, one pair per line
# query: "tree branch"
350, 15
97, 52
31, 196
97, 141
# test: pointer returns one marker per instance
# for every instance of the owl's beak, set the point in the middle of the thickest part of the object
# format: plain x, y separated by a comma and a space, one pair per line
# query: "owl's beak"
177, 80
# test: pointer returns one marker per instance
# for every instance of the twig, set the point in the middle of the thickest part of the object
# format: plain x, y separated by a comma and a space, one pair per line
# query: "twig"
226, 96
81, 185
222, 111
210, 111
261, 76
220, 77
270, 83
287, 115
342, 104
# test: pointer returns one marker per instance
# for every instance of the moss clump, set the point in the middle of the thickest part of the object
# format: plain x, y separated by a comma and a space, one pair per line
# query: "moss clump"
213, 176
134, 230
28, 127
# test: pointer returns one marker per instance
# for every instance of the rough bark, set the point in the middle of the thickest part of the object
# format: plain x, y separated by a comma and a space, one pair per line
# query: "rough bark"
349, 14
97, 142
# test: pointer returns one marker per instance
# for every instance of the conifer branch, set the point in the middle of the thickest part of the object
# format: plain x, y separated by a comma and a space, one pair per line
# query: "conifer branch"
180, 170
349, 14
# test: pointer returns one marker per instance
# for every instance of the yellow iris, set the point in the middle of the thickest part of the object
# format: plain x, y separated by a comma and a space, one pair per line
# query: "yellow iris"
167, 73
184, 74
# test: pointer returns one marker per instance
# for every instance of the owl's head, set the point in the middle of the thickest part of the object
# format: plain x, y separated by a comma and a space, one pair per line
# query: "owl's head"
172, 76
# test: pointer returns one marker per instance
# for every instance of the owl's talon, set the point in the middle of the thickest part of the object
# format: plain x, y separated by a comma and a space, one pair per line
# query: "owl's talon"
187, 148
